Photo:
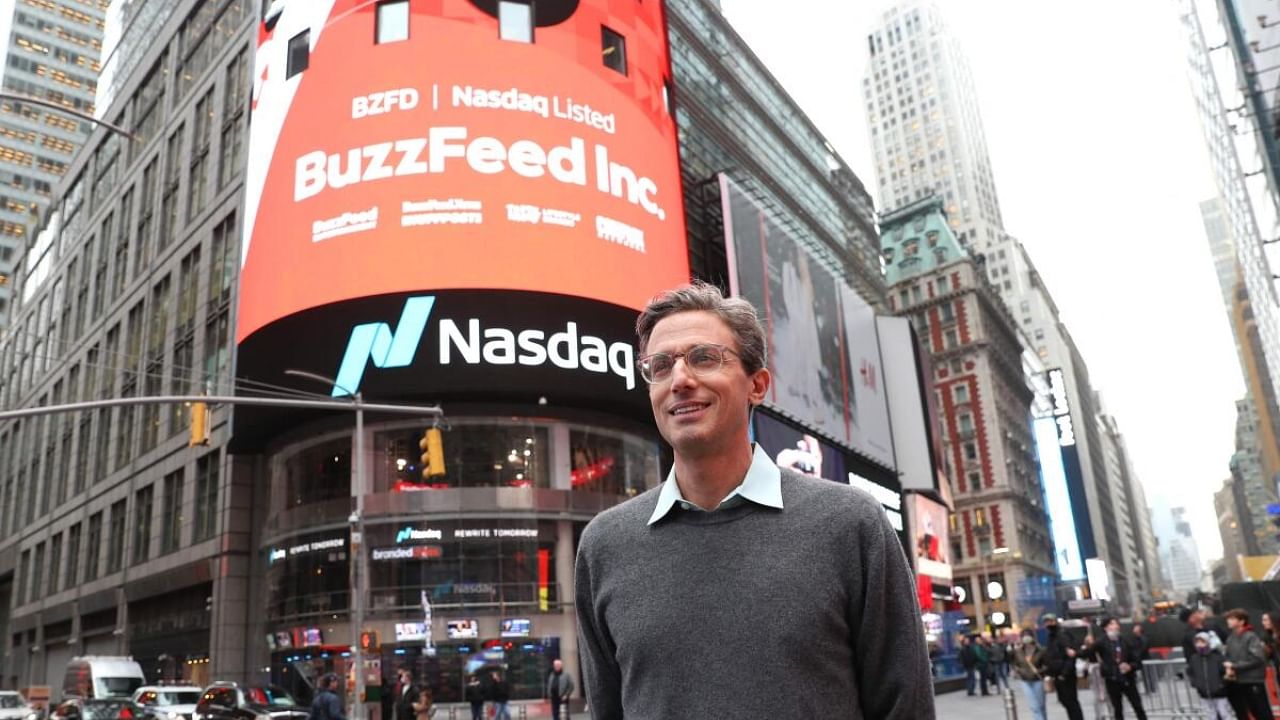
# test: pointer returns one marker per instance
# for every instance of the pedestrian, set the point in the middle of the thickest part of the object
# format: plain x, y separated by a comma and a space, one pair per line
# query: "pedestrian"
1246, 669
1271, 642
1061, 661
1196, 623
388, 698
1119, 661
999, 658
1205, 670
500, 694
1143, 646
980, 649
969, 660
795, 589
1030, 664
406, 695
423, 707
326, 705
475, 696
560, 688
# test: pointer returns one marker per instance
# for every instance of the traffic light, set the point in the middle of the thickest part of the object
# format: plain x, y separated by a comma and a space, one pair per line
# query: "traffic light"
370, 641
199, 424
432, 446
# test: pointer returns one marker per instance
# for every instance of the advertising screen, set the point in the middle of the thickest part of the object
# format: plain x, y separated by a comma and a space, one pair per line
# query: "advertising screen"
929, 529
459, 144
411, 631
515, 627
1062, 522
822, 336
467, 629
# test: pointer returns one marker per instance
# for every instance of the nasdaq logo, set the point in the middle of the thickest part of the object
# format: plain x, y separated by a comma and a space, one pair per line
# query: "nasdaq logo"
376, 341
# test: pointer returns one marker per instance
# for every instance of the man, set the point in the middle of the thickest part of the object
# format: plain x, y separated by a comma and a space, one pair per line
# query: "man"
981, 650
1196, 623
500, 694
998, 656
793, 591
1062, 667
1119, 661
560, 688
969, 660
1246, 669
406, 695
326, 705
1143, 647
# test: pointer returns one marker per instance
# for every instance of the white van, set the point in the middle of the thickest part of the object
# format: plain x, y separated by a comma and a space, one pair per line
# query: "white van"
96, 677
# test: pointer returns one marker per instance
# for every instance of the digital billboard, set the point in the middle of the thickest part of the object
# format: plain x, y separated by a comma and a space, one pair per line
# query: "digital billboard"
1057, 495
823, 349
455, 154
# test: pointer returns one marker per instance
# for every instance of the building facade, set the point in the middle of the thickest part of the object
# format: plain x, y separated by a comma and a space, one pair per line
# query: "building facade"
1233, 536
53, 55
999, 528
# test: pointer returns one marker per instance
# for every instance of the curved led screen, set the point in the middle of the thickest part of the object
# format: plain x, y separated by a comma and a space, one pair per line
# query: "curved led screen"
459, 145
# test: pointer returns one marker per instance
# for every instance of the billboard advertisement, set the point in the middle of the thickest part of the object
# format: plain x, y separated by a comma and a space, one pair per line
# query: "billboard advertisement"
932, 549
822, 336
1099, 579
396, 148
913, 416
1057, 495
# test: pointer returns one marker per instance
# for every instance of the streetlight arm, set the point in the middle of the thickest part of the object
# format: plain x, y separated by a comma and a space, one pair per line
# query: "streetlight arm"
6, 95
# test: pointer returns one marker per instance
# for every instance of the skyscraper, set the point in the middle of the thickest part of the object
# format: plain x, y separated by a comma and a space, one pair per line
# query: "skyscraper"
927, 140
53, 55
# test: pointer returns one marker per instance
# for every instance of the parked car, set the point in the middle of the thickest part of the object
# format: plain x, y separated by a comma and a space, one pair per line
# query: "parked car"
14, 707
97, 709
168, 702
231, 701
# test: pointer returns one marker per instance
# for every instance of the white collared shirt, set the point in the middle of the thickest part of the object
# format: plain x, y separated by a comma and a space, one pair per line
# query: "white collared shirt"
762, 485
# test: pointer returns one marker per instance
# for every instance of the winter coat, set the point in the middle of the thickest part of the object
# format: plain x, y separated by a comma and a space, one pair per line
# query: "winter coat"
1060, 665
1030, 662
1246, 654
1110, 654
559, 685
326, 706
1205, 672
968, 658
997, 653
500, 691
475, 693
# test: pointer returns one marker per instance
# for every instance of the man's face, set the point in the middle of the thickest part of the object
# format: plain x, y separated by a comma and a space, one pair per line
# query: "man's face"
1113, 626
702, 415
1196, 619
557, 665
1234, 622
1137, 630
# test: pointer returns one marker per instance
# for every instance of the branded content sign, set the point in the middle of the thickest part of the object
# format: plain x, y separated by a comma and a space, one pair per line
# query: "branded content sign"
1061, 408
455, 159
1062, 521
823, 349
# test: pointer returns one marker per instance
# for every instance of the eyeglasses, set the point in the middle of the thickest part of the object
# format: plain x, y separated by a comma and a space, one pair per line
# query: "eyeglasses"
700, 359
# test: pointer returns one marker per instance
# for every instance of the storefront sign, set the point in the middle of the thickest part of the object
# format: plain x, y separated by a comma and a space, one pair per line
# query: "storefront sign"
276, 554
413, 552
1061, 408
411, 533
467, 629
411, 631
515, 627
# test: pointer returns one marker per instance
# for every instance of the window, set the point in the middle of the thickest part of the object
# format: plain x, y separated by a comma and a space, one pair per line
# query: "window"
299, 53
962, 393
24, 573
72, 576
970, 451
965, 423
37, 573
975, 481
233, 103
206, 497
942, 284
115, 538
515, 21
952, 339
169, 190
93, 549
199, 156
393, 22
142, 506
946, 312
614, 49
171, 522
55, 564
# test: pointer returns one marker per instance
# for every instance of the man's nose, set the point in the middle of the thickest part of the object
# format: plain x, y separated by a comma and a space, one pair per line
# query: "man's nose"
681, 375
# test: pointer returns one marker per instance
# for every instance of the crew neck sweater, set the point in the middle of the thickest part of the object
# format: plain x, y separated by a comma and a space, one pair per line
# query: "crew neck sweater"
808, 611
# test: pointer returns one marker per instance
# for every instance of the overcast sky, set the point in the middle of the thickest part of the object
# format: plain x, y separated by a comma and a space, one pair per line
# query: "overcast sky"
1099, 166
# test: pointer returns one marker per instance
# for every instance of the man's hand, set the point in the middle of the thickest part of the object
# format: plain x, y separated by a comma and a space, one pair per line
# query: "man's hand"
1124, 668
1071, 653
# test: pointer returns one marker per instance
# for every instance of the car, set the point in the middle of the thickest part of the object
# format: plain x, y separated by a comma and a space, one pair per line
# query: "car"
232, 701
168, 702
97, 709
14, 707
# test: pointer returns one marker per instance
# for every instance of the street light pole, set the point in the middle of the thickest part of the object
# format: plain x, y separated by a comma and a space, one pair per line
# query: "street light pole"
358, 580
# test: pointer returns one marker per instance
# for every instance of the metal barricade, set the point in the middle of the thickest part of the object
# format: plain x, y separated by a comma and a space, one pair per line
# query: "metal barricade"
1163, 688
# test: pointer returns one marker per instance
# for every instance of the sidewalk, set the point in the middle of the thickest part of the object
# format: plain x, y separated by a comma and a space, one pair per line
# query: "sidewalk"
959, 706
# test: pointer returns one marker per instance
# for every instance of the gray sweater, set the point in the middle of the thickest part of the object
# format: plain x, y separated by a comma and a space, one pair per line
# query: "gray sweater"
751, 612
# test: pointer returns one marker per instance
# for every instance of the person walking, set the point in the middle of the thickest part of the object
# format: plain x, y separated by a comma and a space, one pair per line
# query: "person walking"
423, 705
1061, 660
1271, 642
969, 661
984, 662
669, 583
1246, 669
500, 694
560, 688
1030, 664
1119, 661
1205, 671
326, 705
998, 656
406, 695
475, 697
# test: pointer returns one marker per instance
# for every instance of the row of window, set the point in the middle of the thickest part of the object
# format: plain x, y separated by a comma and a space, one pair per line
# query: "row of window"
59, 563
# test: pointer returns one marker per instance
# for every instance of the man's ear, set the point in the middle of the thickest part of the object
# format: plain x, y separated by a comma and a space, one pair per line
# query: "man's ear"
760, 380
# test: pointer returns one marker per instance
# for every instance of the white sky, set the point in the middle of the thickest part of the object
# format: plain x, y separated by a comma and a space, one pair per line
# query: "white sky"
1100, 166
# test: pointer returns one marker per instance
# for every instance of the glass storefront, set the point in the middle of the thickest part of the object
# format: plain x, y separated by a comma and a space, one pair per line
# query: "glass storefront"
308, 576
477, 454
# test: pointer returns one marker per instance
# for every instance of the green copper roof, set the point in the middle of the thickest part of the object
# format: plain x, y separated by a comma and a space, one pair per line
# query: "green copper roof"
916, 239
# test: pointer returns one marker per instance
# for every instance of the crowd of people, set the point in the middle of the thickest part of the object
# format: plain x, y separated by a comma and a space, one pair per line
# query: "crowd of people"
1226, 664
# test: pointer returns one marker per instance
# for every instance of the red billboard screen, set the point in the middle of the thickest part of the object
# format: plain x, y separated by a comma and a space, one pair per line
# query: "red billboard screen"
459, 145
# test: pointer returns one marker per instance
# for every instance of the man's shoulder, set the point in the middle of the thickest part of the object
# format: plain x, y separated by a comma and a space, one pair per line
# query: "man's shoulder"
630, 516
828, 498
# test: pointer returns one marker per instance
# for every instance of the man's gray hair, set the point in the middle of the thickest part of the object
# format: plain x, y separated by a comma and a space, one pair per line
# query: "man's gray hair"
737, 313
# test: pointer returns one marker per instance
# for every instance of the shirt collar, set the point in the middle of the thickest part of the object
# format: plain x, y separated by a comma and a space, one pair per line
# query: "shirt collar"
762, 485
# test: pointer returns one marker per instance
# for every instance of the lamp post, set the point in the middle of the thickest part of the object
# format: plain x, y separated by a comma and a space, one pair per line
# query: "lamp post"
356, 520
